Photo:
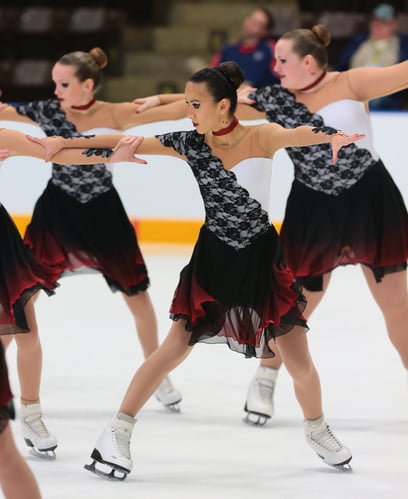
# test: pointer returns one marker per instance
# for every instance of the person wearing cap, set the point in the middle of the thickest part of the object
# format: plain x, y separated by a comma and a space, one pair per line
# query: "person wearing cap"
382, 45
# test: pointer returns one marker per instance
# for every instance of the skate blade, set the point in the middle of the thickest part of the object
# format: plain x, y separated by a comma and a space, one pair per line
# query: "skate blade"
255, 418
110, 475
173, 407
345, 466
47, 455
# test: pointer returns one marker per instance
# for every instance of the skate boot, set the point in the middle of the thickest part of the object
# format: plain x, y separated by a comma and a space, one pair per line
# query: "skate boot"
168, 395
322, 440
42, 443
259, 403
112, 450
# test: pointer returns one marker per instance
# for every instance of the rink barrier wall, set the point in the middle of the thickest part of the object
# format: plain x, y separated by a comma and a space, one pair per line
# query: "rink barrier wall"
150, 231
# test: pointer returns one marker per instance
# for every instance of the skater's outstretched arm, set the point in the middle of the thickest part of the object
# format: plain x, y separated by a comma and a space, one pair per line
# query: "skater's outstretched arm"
19, 145
123, 146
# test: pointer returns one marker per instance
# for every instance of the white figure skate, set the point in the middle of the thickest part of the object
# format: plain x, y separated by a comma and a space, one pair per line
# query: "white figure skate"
259, 403
42, 443
322, 440
112, 450
168, 395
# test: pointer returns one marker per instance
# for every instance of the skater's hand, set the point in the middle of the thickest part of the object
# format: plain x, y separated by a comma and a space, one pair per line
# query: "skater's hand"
341, 139
147, 102
125, 149
243, 92
52, 145
4, 154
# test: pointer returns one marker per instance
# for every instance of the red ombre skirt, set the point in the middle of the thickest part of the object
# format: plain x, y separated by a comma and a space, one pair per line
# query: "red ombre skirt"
21, 276
68, 236
366, 224
242, 298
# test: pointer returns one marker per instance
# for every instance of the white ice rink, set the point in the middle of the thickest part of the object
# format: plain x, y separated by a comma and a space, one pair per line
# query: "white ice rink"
206, 451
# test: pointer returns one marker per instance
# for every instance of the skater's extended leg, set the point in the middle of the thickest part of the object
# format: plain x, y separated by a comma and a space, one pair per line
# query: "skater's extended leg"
29, 365
392, 297
16, 478
113, 446
144, 316
259, 405
148, 377
296, 357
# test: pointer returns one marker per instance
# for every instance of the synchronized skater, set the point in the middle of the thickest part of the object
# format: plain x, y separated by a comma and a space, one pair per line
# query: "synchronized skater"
62, 234
236, 288
349, 214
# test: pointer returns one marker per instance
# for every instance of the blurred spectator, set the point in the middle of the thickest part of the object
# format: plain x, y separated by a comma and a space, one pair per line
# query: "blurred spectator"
382, 46
254, 51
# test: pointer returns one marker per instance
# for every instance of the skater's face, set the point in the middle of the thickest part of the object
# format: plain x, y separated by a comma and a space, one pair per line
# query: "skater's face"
205, 114
292, 70
68, 89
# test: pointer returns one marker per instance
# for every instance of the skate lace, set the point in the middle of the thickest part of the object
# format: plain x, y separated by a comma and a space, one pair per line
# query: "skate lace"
36, 425
326, 439
122, 438
266, 389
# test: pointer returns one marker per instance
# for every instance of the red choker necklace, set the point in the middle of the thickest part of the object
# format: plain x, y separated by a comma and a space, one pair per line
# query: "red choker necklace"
85, 106
316, 82
228, 129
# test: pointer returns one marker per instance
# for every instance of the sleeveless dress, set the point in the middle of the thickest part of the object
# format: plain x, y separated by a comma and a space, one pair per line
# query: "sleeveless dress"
236, 289
79, 220
348, 213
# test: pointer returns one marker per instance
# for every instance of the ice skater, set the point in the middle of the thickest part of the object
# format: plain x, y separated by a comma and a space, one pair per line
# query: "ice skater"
62, 233
236, 288
349, 214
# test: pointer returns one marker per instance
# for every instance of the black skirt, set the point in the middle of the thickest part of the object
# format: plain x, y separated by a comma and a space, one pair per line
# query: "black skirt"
21, 276
241, 298
68, 235
366, 224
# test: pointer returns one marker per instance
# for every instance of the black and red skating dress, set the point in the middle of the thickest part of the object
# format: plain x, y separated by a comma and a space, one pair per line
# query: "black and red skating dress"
21, 276
79, 220
347, 213
236, 289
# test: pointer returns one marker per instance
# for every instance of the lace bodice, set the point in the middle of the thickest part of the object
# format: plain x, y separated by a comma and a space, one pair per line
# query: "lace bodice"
230, 212
313, 164
82, 182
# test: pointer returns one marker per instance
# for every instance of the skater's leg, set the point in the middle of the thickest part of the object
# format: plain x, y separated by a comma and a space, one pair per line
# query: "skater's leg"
6, 340
29, 358
259, 404
29, 366
113, 445
144, 316
148, 377
295, 354
16, 478
296, 357
392, 298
